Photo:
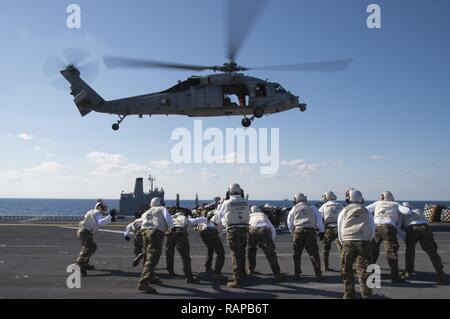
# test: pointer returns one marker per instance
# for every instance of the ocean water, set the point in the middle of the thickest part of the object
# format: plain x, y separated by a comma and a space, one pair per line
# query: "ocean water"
78, 207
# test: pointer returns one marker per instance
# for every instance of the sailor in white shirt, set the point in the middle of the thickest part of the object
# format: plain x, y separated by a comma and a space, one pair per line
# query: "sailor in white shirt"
90, 224
234, 214
179, 239
209, 233
262, 233
387, 215
154, 224
356, 229
135, 229
330, 211
302, 220
418, 230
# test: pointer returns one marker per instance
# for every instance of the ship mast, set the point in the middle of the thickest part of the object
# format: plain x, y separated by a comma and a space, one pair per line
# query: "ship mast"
151, 179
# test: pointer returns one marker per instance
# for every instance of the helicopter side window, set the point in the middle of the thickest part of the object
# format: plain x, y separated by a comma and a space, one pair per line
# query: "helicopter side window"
260, 90
279, 89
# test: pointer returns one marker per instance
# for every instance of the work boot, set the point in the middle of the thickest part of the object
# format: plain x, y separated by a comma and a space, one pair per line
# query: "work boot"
349, 296
297, 275
440, 277
155, 280
147, 289
220, 278
191, 279
397, 279
325, 266
407, 275
209, 270
254, 272
234, 284
138, 259
279, 277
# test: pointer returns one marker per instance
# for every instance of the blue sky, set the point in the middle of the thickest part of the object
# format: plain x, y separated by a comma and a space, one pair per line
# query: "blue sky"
381, 124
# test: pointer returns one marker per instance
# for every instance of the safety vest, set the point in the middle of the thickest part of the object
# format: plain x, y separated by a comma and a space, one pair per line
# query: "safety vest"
355, 223
386, 209
154, 219
417, 216
90, 221
304, 216
331, 212
258, 219
238, 212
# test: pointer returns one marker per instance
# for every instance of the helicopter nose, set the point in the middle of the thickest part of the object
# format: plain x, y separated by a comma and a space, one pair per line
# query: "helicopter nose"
293, 99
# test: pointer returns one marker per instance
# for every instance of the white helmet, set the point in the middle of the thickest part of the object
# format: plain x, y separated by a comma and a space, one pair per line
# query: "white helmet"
179, 214
101, 205
329, 196
156, 201
254, 209
235, 189
300, 198
387, 196
408, 204
354, 196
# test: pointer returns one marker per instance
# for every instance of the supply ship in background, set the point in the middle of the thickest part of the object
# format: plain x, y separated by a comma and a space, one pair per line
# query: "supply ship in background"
130, 203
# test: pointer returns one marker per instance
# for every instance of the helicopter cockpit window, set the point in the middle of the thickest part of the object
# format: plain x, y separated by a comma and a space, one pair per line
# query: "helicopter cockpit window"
279, 88
260, 90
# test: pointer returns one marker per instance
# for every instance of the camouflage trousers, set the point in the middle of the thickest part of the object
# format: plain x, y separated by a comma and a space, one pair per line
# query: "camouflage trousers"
306, 238
262, 237
88, 247
237, 240
387, 234
358, 254
179, 240
138, 243
331, 234
210, 236
423, 235
153, 245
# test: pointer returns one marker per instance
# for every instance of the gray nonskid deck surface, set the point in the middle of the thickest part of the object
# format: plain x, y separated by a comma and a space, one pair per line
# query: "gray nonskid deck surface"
34, 255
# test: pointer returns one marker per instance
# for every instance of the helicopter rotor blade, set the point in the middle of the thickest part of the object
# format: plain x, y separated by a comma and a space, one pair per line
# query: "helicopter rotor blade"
322, 66
241, 17
113, 62
75, 56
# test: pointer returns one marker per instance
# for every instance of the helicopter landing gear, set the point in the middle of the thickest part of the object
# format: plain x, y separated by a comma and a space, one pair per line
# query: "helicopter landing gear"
246, 122
258, 112
116, 126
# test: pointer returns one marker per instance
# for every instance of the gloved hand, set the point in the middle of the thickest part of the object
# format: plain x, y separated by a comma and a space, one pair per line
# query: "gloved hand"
127, 238
113, 213
321, 236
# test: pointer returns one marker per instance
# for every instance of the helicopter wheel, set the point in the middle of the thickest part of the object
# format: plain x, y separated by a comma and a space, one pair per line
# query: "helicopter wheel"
258, 112
246, 122
115, 127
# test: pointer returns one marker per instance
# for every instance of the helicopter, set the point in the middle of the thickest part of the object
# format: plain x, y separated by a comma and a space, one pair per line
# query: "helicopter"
225, 92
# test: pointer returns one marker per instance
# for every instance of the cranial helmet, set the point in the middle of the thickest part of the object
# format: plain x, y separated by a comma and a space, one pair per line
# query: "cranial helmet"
408, 204
329, 196
101, 205
387, 196
235, 189
354, 196
156, 202
300, 198
254, 209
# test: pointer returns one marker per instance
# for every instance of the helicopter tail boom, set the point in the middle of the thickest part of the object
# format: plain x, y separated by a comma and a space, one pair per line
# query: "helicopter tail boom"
85, 97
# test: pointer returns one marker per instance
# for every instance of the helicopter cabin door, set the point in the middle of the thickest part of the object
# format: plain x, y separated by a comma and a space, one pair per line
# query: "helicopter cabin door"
206, 96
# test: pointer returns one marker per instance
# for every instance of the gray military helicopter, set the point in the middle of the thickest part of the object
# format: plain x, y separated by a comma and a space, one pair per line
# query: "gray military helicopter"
226, 92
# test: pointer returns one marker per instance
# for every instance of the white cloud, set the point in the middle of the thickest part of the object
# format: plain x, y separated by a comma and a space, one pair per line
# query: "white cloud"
38, 149
25, 136
48, 155
376, 158
46, 168
293, 163
106, 163
161, 164
180, 171
306, 170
